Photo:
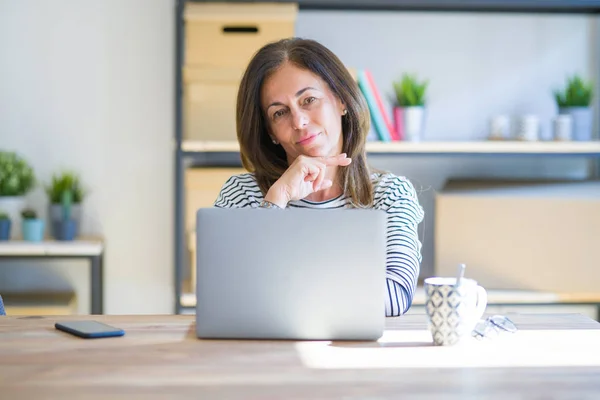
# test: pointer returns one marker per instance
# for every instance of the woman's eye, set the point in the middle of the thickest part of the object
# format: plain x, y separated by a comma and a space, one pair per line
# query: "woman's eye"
309, 100
278, 113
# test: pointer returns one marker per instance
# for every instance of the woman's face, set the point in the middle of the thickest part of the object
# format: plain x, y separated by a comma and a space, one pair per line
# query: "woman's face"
302, 113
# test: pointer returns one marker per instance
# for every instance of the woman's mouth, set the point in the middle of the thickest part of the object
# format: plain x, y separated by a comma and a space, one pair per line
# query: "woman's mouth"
308, 139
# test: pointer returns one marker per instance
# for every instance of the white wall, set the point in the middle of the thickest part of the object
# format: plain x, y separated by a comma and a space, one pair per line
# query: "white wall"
90, 86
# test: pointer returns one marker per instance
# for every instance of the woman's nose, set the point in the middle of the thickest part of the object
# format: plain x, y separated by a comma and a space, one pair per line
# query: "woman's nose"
299, 120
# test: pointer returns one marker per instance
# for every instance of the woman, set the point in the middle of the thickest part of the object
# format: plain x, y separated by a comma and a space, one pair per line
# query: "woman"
302, 125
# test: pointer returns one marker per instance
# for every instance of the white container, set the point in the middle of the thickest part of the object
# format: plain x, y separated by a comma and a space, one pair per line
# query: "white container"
563, 127
582, 122
499, 127
414, 123
528, 128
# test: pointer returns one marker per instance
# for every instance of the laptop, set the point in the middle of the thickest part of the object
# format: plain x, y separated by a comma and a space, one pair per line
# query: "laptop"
290, 274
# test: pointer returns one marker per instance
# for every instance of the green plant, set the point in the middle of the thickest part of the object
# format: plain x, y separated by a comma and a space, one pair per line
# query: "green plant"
409, 91
4, 216
16, 175
578, 93
65, 182
28, 213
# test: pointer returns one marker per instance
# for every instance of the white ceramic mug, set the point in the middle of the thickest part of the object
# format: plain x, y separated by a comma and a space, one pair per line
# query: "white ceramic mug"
453, 311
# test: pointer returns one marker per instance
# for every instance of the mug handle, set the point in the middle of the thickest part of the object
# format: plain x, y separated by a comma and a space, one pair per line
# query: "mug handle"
481, 302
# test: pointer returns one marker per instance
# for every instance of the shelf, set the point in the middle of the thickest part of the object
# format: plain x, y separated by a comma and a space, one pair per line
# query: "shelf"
198, 146
495, 296
91, 247
221, 153
464, 148
487, 147
531, 6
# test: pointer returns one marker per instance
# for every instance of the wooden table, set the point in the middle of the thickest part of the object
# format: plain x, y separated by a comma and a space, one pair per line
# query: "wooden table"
91, 250
552, 356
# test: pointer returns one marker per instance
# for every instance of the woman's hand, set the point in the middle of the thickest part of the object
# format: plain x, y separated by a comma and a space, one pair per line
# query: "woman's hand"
306, 175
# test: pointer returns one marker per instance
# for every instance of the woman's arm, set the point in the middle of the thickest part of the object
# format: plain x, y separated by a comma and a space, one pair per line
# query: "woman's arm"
399, 200
303, 177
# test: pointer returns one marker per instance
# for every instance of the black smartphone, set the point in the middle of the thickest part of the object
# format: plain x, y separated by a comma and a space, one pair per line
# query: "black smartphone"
89, 329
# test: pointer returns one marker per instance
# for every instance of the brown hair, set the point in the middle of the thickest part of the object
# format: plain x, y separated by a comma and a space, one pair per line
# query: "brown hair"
267, 160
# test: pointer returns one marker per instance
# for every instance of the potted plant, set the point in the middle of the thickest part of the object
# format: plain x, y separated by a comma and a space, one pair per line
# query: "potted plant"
61, 183
409, 112
65, 228
16, 180
575, 100
33, 227
4, 226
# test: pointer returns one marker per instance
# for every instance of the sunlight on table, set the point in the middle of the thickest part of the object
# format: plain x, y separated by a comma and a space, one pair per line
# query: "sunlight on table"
415, 349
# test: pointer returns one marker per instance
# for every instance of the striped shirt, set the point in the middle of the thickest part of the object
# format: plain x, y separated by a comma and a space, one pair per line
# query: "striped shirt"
393, 194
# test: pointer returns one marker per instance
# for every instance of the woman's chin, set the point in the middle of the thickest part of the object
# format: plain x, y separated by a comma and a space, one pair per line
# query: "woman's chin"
317, 151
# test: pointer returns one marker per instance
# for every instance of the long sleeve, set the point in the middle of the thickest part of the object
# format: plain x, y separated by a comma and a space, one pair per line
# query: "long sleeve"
239, 191
398, 198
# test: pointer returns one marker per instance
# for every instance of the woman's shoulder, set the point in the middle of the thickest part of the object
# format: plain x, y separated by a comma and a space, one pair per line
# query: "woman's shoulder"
394, 193
247, 179
389, 183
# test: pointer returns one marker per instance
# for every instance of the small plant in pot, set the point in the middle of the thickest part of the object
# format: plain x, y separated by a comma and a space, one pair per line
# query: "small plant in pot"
65, 228
5, 224
575, 100
16, 180
33, 227
65, 182
409, 112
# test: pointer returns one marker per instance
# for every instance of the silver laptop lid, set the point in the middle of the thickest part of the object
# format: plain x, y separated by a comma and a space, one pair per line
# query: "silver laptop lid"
291, 274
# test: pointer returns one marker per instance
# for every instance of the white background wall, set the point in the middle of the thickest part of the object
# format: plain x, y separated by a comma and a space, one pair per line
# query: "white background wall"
89, 85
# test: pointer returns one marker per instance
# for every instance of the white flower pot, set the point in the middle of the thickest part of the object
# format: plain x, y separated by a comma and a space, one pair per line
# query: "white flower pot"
414, 123
582, 122
528, 128
13, 205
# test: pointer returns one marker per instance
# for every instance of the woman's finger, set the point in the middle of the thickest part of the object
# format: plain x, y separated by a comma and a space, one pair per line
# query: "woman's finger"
310, 171
319, 181
341, 160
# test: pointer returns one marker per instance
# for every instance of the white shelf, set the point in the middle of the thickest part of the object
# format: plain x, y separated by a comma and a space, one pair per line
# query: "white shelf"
92, 247
486, 147
202, 146
473, 147
495, 296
